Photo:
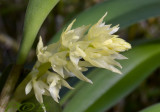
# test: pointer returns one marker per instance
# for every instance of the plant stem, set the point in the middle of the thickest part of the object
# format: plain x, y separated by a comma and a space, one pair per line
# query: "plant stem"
9, 86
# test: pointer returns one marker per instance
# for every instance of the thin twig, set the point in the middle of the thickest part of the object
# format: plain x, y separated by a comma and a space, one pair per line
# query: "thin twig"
9, 86
12, 44
9, 42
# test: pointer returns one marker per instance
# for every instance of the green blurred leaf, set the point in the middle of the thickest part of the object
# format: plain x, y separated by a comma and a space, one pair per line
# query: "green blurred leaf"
123, 12
153, 108
108, 87
36, 13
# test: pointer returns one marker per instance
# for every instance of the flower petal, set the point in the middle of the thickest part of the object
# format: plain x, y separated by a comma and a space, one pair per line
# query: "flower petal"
28, 87
54, 91
77, 73
64, 83
40, 45
38, 92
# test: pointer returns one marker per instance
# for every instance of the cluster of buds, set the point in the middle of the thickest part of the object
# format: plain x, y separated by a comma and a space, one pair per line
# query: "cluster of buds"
77, 49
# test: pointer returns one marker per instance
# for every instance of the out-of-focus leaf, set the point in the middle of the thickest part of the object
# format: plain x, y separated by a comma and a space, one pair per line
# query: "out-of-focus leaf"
36, 13
108, 87
153, 108
123, 12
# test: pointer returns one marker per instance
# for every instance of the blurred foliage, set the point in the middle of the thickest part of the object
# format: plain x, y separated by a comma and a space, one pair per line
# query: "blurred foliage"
11, 23
145, 95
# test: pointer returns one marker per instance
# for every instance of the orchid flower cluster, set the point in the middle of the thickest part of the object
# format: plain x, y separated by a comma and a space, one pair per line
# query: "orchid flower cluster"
77, 49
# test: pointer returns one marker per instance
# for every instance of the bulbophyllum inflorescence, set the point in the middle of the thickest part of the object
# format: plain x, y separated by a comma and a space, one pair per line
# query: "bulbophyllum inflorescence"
77, 49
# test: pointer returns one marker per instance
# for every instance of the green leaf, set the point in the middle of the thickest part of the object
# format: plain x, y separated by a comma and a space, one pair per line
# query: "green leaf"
36, 13
123, 12
153, 108
108, 87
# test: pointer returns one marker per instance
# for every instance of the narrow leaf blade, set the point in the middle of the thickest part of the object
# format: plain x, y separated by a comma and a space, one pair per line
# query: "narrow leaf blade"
36, 13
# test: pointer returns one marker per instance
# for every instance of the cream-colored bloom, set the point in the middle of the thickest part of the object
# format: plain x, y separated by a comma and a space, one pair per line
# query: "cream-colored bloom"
43, 53
60, 60
99, 47
40, 88
117, 44
77, 49
55, 82
70, 36
49, 85
104, 47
